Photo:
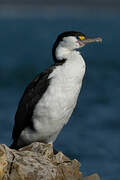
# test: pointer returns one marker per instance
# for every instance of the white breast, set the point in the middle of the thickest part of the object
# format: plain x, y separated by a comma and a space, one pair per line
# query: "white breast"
57, 104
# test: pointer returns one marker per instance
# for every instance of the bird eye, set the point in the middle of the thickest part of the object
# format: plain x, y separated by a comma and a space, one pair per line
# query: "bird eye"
82, 37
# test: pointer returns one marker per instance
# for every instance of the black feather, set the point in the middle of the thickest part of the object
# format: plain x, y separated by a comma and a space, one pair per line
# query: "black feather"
31, 96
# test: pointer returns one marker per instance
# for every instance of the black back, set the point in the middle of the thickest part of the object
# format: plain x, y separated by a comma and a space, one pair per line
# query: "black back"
31, 96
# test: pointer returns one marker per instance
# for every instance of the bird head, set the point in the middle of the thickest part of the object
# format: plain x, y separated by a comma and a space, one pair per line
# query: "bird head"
69, 41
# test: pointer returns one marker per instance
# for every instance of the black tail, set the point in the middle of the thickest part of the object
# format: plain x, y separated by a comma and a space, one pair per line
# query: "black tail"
14, 146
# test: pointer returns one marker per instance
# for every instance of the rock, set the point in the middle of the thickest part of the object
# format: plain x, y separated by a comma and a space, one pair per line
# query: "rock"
92, 177
38, 162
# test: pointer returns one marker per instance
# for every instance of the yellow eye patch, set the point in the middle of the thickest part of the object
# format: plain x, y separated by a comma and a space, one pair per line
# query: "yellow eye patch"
82, 37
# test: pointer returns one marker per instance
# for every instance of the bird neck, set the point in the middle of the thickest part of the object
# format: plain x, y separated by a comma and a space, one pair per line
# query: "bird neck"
61, 54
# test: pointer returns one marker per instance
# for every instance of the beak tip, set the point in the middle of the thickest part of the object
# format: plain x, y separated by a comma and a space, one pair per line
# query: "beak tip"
99, 39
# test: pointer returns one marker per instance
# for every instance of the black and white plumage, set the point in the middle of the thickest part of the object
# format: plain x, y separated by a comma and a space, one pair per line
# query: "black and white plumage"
49, 100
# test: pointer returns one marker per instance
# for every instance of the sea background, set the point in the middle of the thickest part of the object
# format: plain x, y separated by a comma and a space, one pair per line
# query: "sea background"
92, 135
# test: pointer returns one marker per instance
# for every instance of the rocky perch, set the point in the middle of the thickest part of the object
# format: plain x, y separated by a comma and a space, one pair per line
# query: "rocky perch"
38, 162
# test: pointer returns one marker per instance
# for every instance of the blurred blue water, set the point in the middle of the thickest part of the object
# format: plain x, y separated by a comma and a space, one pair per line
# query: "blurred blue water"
93, 133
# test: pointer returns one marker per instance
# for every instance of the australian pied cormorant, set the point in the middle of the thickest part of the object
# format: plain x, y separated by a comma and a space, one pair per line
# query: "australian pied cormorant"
49, 100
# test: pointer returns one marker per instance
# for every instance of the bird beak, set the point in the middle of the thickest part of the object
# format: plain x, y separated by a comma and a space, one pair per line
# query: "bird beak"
90, 40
